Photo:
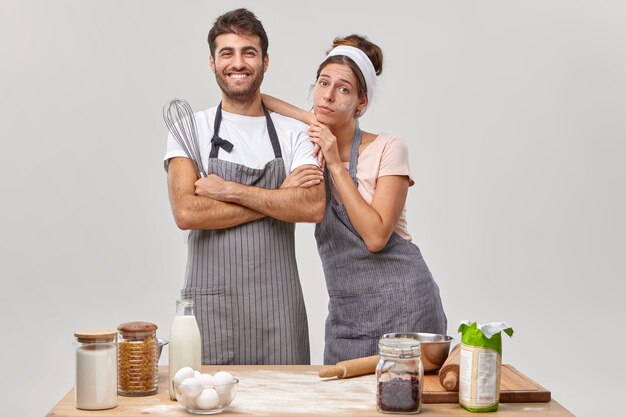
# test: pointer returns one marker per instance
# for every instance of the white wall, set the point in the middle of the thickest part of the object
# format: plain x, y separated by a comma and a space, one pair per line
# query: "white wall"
515, 116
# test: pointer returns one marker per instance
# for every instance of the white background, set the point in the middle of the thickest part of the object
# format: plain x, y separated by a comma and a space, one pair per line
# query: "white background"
514, 114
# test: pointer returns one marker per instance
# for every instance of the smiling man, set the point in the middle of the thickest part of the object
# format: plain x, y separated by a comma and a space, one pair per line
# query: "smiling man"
241, 266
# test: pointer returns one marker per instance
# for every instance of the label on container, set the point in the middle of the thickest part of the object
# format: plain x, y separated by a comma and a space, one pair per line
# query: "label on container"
479, 377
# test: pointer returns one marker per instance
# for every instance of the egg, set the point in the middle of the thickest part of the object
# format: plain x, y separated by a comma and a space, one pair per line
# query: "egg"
182, 374
196, 374
208, 399
223, 377
190, 387
223, 390
187, 402
206, 380
223, 384
226, 393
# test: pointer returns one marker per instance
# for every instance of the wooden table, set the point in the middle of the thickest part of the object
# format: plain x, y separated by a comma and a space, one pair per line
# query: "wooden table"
291, 390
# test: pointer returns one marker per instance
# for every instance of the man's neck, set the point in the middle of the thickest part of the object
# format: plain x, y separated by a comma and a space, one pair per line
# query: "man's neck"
253, 107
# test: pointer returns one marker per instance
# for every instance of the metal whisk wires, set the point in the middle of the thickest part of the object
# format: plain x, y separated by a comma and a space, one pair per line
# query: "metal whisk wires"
181, 123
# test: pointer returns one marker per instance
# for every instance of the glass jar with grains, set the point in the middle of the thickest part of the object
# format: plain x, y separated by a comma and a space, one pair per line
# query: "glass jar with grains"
399, 375
138, 360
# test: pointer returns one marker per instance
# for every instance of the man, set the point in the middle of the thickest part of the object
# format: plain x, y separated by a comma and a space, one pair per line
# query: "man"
241, 267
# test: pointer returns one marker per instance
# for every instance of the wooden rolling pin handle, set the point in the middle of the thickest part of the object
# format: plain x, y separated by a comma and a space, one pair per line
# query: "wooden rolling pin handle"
352, 367
450, 381
332, 371
449, 372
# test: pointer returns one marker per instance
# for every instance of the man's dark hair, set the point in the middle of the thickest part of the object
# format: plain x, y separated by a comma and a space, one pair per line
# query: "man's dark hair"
240, 22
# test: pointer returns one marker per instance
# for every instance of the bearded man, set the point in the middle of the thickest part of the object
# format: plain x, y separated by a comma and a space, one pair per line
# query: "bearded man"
241, 265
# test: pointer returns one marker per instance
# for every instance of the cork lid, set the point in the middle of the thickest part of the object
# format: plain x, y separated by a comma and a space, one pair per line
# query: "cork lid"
137, 326
95, 336
137, 329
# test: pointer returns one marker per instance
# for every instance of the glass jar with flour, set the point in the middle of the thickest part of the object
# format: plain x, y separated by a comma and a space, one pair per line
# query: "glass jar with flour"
96, 369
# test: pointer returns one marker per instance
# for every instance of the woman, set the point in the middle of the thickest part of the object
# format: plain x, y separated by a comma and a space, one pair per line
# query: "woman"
377, 279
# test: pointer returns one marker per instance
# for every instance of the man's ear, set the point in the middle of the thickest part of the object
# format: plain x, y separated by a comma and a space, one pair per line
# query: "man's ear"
266, 62
212, 63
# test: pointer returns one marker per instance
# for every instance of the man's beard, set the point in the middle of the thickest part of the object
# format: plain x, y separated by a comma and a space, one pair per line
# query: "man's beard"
240, 96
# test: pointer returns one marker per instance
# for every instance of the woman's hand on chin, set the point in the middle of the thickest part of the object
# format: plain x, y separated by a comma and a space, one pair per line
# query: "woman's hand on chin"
321, 136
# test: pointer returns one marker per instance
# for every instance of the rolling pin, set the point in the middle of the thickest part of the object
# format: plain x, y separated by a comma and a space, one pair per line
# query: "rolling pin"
350, 368
449, 372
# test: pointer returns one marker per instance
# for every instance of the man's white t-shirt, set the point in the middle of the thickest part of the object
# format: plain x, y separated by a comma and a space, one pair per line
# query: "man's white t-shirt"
251, 141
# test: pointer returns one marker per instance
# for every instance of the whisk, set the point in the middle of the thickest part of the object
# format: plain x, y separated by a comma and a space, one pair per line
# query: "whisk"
181, 123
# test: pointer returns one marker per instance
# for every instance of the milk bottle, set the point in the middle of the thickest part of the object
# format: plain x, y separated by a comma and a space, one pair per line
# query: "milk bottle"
185, 342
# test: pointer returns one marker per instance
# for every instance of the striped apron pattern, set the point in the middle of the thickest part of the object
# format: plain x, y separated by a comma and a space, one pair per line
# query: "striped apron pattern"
371, 294
244, 280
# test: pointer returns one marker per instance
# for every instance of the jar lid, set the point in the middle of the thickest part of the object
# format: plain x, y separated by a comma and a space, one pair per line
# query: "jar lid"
137, 327
95, 336
399, 347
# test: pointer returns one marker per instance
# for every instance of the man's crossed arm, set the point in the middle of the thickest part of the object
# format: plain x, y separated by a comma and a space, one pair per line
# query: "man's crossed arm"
230, 204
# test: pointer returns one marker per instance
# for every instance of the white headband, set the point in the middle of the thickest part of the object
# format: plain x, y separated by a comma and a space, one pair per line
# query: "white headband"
361, 59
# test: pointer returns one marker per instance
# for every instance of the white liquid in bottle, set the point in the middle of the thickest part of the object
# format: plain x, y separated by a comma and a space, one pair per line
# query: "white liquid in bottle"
185, 347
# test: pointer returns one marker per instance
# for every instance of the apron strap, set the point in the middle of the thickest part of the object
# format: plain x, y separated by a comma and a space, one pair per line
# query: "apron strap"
216, 141
354, 154
354, 160
272, 132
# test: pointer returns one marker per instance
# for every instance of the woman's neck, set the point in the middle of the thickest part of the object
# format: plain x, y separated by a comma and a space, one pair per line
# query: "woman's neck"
344, 134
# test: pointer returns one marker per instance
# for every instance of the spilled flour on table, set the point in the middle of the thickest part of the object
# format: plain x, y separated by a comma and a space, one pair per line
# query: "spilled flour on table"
160, 409
298, 393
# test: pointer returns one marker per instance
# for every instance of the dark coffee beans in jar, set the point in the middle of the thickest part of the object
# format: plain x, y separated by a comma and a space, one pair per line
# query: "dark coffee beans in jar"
399, 395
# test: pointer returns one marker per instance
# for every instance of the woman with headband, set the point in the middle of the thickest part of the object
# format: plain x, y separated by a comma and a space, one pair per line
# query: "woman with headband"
376, 277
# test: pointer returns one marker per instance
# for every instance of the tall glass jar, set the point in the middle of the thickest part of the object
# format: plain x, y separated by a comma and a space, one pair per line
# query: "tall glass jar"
96, 369
399, 375
138, 360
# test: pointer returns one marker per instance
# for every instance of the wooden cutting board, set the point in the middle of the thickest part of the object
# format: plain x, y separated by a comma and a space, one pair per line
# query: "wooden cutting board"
515, 387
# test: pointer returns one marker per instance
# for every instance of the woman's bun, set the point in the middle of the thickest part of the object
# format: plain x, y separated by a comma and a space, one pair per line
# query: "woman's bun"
372, 50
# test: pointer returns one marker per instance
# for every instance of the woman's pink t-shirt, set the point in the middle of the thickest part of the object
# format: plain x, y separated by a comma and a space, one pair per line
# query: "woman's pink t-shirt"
385, 155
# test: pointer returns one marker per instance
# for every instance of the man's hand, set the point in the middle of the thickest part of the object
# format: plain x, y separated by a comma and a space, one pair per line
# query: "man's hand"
304, 176
214, 187
192, 211
299, 199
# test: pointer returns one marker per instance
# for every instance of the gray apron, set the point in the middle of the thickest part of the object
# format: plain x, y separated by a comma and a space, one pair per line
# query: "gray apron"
244, 279
371, 293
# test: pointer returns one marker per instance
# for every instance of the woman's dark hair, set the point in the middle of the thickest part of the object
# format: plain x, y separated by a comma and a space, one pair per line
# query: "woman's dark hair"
373, 51
240, 22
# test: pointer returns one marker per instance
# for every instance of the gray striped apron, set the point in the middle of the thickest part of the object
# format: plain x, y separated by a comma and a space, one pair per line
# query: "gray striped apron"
371, 293
244, 280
